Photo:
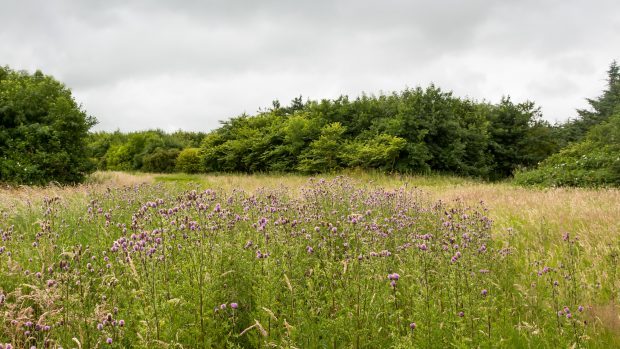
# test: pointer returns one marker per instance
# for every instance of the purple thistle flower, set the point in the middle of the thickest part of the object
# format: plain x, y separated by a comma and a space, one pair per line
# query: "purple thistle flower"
234, 305
461, 314
412, 325
394, 276
109, 340
580, 308
121, 323
100, 326
223, 306
484, 292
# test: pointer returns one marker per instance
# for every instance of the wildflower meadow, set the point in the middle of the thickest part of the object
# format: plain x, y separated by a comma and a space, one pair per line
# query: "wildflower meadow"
335, 262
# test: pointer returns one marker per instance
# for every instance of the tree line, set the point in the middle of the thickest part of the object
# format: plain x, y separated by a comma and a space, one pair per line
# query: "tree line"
416, 130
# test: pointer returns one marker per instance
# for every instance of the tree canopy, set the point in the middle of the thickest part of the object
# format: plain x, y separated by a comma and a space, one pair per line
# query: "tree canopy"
43, 130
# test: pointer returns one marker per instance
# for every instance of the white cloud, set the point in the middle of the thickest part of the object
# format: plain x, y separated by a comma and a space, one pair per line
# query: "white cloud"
187, 64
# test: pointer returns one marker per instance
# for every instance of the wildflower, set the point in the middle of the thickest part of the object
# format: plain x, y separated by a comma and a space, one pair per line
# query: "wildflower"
461, 314
423, 247
100, 326
223, 306
484, 292
234, 305
121, 323
580, 308
412, 325
394, 276
109, 340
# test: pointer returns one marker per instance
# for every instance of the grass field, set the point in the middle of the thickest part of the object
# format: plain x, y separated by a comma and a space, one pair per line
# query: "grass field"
358, 261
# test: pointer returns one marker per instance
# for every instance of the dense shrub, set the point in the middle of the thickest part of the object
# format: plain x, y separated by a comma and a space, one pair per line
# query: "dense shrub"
140, 151
189, 161
160, 160
42, 130
415, 130
595, 161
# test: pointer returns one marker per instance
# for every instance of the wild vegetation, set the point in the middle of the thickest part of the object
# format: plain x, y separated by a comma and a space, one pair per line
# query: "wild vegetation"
366, 260
593, 157
420, 130
289, 261
44, 137
416, 130
42, 131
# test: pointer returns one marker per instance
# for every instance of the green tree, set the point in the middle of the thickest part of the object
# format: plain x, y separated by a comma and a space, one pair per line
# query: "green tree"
160, 160
593, 161
43, 131
189, 161
324, 154
513, 130
602, 107
379, 152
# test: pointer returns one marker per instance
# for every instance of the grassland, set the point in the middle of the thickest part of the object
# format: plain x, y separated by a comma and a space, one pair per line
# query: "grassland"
367, 261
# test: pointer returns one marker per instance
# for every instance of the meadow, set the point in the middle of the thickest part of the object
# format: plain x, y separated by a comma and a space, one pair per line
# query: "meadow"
360, 260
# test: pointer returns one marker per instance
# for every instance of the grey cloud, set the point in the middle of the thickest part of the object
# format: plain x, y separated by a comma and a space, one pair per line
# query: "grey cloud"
187, 64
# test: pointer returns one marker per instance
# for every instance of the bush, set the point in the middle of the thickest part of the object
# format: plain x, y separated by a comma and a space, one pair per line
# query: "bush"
595, 161
189, 161
160, 160
43, 131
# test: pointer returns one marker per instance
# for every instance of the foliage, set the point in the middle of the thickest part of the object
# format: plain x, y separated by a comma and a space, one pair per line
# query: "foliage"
602, 108
416, 130
323, 154
149, 151
189, 161
160, 160
518, 137
594, 161
42, 130
379, 152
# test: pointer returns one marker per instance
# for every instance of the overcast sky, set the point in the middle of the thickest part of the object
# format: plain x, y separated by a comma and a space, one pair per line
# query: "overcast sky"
187, 64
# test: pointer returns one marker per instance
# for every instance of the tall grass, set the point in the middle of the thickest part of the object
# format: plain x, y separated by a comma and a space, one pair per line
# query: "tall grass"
366, 261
